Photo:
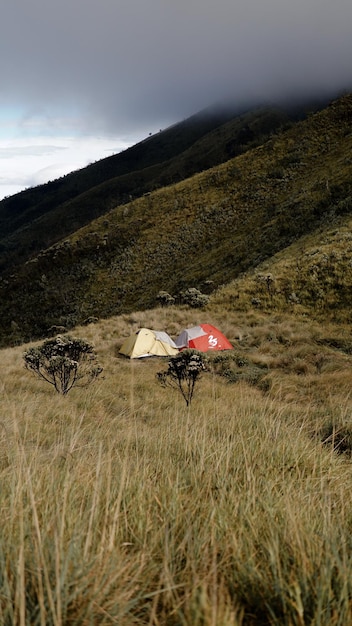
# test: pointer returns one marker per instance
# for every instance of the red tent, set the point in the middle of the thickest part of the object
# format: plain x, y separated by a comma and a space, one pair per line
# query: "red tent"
203, 338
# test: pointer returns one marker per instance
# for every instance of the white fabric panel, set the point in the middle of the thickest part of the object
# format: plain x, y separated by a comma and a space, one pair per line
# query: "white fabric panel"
190, 333
162, 336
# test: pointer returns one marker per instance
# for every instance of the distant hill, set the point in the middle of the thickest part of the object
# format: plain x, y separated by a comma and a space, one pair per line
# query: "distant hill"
36, 218
198, 204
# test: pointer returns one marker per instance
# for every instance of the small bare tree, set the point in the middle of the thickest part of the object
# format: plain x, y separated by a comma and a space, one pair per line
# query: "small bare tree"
183, 371
64, 362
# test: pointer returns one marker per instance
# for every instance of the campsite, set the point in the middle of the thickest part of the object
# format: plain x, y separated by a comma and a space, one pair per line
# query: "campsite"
146, 342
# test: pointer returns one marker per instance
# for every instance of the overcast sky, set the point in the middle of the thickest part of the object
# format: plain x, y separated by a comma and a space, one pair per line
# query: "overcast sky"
83, 79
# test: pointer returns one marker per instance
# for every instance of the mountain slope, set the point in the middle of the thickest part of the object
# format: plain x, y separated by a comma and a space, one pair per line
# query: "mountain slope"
37, 218
212, 226
311, 277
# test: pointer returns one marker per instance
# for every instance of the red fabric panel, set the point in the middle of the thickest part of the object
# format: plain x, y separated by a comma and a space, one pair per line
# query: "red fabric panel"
213, 340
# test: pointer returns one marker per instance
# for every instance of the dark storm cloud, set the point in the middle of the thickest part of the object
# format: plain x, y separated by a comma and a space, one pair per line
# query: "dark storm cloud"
130, 63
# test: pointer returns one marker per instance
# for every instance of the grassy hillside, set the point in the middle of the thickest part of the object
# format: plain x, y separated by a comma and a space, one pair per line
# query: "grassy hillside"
310, 277
121, 506
212, 226
35, 219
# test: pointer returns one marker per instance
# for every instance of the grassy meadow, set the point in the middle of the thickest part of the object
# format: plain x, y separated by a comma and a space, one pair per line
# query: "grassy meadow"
120, 505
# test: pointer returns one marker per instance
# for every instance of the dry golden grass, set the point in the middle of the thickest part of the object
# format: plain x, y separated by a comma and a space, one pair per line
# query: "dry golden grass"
121, 506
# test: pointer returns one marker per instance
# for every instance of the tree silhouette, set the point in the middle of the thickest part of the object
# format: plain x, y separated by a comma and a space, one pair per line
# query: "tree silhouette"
183, 371
64, 362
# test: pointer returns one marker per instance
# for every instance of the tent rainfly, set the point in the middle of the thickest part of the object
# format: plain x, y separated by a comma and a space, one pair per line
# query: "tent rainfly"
203, 338
146, 342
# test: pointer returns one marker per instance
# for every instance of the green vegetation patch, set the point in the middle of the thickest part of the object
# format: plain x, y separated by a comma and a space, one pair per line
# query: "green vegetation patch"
235, 367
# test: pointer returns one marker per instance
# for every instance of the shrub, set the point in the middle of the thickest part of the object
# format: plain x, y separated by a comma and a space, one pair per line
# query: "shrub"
194, 298
165, 299
64, 362
91, 320
183, 371
235, 368
56, 330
